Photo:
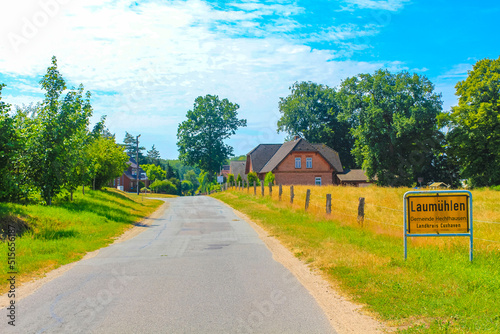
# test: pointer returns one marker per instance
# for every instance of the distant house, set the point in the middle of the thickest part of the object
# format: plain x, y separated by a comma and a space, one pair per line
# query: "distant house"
127, 182
295, 162
354, 177
238, 167
438, 185
224, 171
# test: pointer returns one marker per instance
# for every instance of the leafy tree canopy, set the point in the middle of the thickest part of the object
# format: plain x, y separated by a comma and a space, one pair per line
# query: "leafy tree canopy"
394, 123
474, 124
311, 111
201, 137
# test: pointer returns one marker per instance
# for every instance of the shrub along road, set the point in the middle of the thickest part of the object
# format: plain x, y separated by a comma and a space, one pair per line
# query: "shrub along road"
197, 269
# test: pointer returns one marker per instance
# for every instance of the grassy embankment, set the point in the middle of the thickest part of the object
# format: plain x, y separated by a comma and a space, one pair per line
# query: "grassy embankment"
437, 290
66, 231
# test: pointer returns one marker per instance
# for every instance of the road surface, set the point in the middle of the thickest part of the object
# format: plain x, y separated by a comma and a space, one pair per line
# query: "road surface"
197, 269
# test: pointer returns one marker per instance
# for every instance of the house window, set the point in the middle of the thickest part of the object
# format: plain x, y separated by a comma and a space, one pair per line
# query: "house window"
298, 163
309, 162
317, 181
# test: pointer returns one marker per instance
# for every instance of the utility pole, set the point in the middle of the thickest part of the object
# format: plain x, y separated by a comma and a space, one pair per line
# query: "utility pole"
137, 161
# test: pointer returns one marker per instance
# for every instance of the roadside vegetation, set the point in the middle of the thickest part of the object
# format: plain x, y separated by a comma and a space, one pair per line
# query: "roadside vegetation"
51, 236
436, 290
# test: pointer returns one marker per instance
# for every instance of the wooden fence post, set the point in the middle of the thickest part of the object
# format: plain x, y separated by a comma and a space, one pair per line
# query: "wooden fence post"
308, 197
328, 203
262, 187
254, 187
270, 189
291, 195
248, 186
280, 191
361, 211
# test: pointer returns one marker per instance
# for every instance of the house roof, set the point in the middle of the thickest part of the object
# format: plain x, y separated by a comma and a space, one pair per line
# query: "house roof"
278, 157
330, 155
260, 155
438, 184
132, 163
142, 175
302, 145
353, 175
238, 167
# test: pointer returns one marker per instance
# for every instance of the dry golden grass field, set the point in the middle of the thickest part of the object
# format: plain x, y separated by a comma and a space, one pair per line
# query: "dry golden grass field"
384, 211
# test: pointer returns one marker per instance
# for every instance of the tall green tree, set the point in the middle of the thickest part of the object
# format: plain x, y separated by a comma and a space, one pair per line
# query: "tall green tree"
201, 137
191, 177
130, 144
106, 161
153, 156
311, 111
394, 124
474, 124
8, 147
154, 172
76, 110
56, 135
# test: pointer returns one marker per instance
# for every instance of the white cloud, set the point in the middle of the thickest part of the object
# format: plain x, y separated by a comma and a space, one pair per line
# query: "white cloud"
147, 64
390, 5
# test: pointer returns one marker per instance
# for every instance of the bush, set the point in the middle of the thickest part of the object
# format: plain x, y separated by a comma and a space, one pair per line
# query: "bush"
252, 176
187, 187
230, 179
269, 179
164, 186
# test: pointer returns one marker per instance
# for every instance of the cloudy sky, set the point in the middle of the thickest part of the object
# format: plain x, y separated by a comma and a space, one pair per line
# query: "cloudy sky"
146, 61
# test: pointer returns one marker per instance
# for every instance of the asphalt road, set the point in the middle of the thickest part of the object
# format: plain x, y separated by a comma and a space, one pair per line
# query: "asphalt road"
198, 269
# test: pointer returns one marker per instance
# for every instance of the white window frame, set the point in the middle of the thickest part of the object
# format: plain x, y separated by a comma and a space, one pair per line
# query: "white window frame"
298, 162
309, 162
316, 179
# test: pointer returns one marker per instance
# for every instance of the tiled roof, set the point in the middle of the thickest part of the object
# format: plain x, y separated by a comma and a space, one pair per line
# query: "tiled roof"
353, 175
278, 157
302, 145
330, 155
128, 174
260, 155
238, 167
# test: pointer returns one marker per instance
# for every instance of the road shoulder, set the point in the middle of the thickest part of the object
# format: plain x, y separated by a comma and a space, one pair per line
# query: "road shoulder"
345, 316
30, 287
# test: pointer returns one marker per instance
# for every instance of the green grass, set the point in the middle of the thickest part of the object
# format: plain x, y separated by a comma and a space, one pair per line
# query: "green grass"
437, 290
66, 231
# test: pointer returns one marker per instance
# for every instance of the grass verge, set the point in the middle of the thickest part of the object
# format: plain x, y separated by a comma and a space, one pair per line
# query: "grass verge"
437, 290
66, 231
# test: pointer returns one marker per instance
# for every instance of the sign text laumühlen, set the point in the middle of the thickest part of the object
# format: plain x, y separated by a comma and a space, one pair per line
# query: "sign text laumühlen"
438, 214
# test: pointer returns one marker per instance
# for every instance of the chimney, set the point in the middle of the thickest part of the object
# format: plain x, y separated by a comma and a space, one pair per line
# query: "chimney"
296, 137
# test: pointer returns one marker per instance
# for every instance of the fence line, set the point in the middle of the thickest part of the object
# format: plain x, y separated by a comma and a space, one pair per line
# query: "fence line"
487, 222
315, 201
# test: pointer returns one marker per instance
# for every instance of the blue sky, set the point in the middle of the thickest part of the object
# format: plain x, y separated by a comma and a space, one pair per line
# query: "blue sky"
146, 61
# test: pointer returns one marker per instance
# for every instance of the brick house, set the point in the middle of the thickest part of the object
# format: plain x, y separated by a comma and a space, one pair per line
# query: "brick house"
128, 180
295, 162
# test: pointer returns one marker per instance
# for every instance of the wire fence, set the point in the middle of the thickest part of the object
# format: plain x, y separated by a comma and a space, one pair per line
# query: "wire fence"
344, 206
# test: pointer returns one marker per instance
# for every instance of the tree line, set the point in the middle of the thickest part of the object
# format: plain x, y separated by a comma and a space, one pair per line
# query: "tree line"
392, 125
48, 148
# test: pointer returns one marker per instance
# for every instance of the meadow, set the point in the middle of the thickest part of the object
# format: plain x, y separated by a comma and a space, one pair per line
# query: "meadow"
51, 236
436, 290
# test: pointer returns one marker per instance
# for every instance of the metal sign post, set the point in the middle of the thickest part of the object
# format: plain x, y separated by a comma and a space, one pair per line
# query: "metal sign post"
439, 213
